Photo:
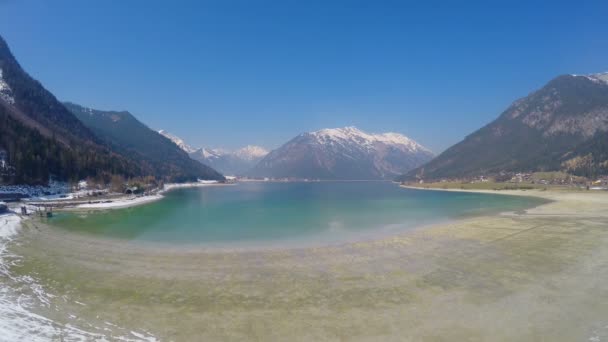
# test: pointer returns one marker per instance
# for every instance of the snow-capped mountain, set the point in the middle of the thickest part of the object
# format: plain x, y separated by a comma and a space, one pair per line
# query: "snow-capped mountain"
251, 152
177, 141
227, 162
343, 153
230, 162
601, 77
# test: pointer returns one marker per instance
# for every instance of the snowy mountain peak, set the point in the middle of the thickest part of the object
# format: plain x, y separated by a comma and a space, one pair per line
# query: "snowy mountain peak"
225, 161
177, 141
6, 93
339, 133
343, 153
352, 134
251, 152
211, 153
601, 77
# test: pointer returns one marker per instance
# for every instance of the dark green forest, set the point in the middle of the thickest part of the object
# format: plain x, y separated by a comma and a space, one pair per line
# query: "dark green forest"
36, 157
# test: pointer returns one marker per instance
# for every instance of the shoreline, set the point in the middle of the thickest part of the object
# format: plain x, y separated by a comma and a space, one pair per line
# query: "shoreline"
512, 192
318, 240
127, 202
131, 200
279, 245
546, 265
546, 194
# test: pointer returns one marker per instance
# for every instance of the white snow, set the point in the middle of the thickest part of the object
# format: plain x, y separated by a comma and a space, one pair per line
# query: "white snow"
177, 141
353, 135
83, 184
53, 191
9, 224
191, 185
135, 200
122, 203
19, 294
6, 93
601, 77
211, 153
251, 152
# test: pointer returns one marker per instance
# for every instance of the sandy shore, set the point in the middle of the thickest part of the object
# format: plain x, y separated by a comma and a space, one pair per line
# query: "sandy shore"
538, 275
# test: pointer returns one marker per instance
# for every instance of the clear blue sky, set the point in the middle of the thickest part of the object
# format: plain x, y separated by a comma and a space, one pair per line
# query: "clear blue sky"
227, 73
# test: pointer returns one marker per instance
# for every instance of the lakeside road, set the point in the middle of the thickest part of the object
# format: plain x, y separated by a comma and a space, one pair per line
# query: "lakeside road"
536, 275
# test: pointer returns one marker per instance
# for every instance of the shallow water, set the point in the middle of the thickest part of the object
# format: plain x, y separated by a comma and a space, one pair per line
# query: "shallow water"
73, 283
284, 213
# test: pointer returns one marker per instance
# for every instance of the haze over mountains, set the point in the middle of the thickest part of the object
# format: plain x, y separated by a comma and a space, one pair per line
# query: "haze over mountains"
343, 153
228, 162
562, 126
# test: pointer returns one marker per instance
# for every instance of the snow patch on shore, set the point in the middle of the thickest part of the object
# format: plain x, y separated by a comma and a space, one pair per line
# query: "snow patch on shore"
135, 200
20, 294
200, 183
123, 203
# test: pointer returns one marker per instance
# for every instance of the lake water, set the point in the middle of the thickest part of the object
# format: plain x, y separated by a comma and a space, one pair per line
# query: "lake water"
282, 213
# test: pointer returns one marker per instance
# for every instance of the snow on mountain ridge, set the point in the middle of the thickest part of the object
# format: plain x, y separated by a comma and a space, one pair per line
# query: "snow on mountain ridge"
177, 141
6, 93
248, 152
351, 134
343, 153
251, 152
211, 153
601, 77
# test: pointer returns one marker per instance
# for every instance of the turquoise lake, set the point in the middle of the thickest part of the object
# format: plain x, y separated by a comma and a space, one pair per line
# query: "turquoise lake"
283, 213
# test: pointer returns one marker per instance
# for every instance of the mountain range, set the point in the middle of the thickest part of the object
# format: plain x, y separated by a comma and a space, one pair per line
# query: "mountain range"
228, 162
40, 138
562, 126
343, 153
130, 137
